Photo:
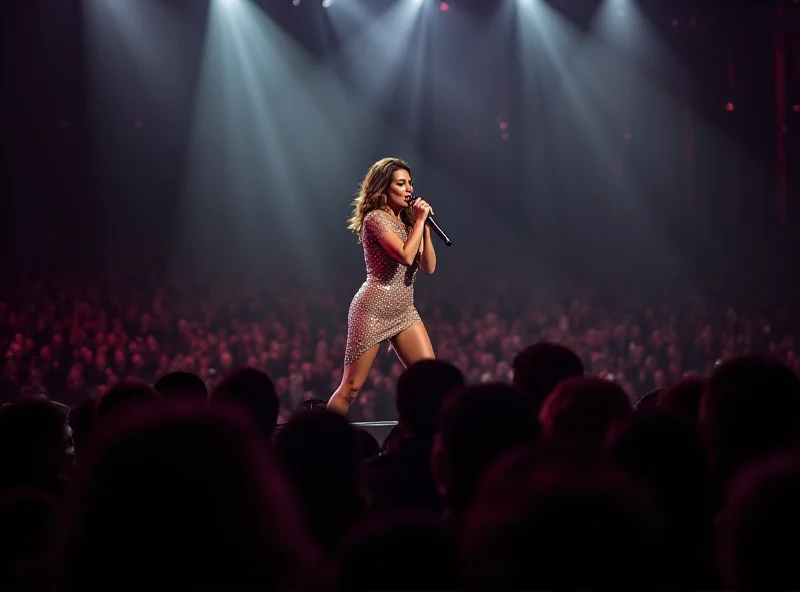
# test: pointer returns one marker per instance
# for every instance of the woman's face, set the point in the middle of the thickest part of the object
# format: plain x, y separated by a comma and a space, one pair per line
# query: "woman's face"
400, 189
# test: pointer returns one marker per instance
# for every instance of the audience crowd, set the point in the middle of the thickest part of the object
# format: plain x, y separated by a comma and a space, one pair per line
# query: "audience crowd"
73, 338
562, 440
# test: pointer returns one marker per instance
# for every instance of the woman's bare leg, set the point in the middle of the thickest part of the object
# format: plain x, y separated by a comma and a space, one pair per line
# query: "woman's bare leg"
352, 380
413, 344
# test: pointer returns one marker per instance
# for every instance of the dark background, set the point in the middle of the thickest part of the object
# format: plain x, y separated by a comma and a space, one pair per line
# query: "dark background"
692, 194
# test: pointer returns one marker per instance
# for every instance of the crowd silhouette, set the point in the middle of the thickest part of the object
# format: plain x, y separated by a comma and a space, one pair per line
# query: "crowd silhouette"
556, 443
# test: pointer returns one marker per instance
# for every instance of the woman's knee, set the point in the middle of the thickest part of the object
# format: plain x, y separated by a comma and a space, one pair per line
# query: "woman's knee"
352, 384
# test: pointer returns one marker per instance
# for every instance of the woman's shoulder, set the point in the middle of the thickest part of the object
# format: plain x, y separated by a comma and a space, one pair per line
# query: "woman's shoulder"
377, 213
378, 222
381, 218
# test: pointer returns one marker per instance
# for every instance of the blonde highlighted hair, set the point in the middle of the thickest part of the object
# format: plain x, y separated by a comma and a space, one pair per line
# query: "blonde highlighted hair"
373, 191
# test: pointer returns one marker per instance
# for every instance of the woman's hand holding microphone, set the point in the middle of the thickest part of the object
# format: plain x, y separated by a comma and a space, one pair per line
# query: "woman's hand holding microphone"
422, 209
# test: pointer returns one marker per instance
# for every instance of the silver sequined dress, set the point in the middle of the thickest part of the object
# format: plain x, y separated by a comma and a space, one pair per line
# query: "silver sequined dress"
384, 305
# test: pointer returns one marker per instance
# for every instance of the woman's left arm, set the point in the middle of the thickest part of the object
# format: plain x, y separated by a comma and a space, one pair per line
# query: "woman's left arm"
427, 254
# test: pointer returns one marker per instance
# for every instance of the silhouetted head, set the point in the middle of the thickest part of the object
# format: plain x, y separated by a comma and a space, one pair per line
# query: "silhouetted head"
758, 526
580, 411
666, 454
33, 444
540, 367
649, 402
749, 409
123, 397
251, 389
320, 454
682, 399
477, 425
319, 449
180, 495
561, 528
181, 385
421, 390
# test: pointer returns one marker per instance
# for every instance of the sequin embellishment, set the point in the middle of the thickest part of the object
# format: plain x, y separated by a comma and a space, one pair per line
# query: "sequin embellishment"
384, 305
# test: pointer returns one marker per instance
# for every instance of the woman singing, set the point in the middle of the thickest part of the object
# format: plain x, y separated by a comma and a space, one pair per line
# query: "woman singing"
396, 242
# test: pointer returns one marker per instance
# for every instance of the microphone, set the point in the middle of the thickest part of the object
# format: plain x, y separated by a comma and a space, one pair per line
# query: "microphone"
432, 223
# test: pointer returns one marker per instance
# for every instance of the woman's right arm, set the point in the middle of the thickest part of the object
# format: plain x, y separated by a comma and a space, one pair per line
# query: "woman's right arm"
403, 252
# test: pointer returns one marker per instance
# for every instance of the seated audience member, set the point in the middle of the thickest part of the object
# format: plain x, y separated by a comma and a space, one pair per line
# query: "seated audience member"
682, 399
750, 408
665, 453
579, 412
123, 397
320, 454
402, 477
477, 425
757, 529
540, 367
558, 527
181, 384
34, 447
251, 389
181, 496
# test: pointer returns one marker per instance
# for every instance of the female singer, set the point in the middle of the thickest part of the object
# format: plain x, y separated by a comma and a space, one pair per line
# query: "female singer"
396, 242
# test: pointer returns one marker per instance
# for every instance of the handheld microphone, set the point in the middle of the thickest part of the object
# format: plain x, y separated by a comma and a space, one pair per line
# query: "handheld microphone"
432, 223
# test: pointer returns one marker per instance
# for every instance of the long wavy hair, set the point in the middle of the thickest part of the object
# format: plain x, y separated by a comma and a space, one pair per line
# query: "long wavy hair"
373, 191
